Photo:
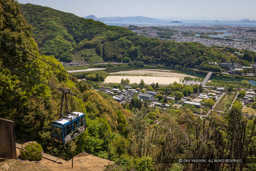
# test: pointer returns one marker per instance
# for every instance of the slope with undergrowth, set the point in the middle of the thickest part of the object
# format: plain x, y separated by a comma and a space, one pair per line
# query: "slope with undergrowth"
29, 93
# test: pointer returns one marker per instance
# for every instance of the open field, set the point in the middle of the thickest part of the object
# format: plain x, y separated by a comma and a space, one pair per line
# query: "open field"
163, 77
249, 110
225, 102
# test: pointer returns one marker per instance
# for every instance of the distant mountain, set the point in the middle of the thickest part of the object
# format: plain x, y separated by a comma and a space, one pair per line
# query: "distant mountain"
128, 20
176, 22
91, 17
246, 21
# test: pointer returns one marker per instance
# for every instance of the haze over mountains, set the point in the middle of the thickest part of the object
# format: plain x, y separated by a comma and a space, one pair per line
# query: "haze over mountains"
141, 20
132, 19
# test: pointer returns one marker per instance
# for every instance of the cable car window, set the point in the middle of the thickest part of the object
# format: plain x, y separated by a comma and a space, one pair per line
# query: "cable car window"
78, 123
57, 132
68, 129
75, 125
82, 121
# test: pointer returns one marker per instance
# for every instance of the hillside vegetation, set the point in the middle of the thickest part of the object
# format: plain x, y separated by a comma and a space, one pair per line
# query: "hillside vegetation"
29, 93
72, 38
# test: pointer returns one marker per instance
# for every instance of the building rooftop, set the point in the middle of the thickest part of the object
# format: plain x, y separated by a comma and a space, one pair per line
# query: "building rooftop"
192, 103
145, 95
151, 92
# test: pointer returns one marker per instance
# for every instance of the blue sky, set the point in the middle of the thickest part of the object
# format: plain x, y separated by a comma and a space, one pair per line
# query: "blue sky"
171, 9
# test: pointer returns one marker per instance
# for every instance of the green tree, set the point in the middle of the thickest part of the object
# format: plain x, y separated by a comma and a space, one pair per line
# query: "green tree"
150, 88
209, 103
234, 129
157, 85
127, 81
142, 84
200, 88
254, 105
178, 95
187, 90
98, 136
153, 85
122, 81
159, 97
144, 164
118, 146
152, 115
122, 123
242, 93
165, 100
230, 88
139, 134
135, 103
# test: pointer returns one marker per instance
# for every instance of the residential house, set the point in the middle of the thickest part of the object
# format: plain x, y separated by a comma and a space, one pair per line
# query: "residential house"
153, 93
148, 97
196, 104
220, 89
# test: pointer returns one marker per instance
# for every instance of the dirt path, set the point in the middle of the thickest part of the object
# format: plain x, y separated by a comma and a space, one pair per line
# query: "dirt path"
82, 162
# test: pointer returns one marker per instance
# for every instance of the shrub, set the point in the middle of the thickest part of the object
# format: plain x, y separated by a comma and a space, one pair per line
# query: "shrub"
31, 151
254, 105
144, 164
125, 161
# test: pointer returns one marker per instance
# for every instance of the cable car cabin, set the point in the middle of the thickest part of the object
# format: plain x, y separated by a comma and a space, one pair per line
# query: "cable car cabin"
68, 127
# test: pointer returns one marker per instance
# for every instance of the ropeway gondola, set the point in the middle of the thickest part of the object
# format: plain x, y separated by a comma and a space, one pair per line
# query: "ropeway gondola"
70, 124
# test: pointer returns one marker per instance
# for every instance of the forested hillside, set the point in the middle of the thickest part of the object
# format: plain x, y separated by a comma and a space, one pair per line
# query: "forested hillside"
29, 93
72, 38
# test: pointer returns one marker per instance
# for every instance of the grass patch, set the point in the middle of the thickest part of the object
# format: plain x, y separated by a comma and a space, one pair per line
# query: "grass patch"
249, 110
225, 102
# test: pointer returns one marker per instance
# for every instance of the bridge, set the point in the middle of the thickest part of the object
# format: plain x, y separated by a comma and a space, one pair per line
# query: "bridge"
206, 79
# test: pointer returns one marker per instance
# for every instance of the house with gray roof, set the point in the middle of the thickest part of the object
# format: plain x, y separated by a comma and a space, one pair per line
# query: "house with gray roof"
148, 97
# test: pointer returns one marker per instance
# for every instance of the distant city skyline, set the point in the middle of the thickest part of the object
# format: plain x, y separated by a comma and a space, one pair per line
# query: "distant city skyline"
168, 9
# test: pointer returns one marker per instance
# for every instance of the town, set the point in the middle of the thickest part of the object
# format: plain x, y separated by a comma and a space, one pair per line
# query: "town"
227, 36
201, 98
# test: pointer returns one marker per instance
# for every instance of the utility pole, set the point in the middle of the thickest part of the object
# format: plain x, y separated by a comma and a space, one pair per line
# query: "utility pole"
72, 150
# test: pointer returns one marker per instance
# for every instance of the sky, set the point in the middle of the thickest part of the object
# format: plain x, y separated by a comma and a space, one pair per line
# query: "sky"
169, 9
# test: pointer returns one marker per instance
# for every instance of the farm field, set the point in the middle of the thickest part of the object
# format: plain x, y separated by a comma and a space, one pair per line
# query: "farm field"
225, 103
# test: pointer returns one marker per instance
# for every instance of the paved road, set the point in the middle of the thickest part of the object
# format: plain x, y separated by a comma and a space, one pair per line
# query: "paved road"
206, 79
87, 70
